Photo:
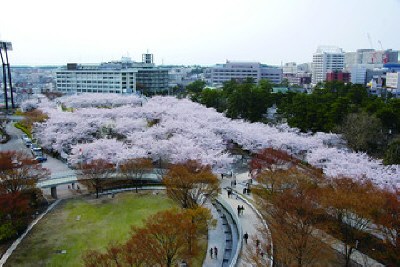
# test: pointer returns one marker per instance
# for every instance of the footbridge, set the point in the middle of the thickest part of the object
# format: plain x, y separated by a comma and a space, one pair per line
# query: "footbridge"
70, 177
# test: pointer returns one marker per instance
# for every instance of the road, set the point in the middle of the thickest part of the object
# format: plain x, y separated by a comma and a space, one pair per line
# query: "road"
52, 164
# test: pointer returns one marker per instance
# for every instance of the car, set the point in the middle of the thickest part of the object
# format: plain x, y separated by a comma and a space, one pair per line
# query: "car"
35, 147
37, 153
41, 159
28, 142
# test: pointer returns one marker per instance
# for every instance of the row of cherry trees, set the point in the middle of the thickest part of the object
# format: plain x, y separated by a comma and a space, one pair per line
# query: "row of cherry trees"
173, 130
298, 201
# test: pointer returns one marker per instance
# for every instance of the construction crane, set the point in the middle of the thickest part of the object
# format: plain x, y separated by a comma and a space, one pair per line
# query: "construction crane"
370, 40
380, 43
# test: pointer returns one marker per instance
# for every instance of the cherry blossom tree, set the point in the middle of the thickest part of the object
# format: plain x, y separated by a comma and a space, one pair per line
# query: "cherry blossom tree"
176, 130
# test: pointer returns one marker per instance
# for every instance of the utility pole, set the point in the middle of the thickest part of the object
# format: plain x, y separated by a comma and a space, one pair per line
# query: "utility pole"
6, 46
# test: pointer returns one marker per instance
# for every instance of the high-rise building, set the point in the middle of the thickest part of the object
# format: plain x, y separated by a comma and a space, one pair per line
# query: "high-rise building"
241, 70
326, 58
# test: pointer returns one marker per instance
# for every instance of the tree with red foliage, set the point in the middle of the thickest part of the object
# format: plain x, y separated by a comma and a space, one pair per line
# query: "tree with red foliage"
166, 238
289, 200
270, 157
14, 211
353, 206
388, 221
19, 171
191, 184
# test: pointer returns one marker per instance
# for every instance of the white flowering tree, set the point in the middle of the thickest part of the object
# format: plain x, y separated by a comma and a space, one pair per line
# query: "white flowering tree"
117, 128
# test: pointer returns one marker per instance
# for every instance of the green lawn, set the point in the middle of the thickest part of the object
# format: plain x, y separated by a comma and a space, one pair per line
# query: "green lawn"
101, 221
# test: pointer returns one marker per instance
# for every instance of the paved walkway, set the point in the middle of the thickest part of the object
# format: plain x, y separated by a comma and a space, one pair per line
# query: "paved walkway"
15, 244
249, 222
216, 238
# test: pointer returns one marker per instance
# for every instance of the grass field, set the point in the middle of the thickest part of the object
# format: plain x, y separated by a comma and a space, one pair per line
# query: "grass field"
101, 221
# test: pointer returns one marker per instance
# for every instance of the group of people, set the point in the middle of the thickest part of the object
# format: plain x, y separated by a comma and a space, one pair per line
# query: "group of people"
257, 241
73, 186
214, 252
240, 209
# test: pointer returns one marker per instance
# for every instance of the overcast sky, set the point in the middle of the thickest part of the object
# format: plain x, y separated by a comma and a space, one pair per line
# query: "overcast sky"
193, 32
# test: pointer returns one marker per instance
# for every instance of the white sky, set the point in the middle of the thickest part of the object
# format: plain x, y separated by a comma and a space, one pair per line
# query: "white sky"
202, 32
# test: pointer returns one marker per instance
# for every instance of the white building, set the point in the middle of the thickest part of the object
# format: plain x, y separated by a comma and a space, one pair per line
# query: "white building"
358, 74
119, 77
290, 67
327, 58
393, 82
242, 70
94, 79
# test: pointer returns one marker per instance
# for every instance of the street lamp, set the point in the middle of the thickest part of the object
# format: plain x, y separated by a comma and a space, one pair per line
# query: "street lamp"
6, 46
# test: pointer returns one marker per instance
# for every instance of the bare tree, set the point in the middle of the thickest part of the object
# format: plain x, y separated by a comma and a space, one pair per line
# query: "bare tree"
134, 169
95, 174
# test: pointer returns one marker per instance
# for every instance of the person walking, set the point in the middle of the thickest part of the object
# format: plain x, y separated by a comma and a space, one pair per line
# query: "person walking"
211, 253
245, 237
238, 209
241, 210
216, 252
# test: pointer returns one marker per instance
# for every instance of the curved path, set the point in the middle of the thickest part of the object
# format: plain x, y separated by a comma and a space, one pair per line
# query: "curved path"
249, 222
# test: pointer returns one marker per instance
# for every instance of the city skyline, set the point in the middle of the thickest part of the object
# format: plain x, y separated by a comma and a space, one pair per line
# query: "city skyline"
178, 32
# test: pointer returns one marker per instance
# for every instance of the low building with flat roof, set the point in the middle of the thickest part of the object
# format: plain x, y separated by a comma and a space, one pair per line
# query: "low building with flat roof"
240, 71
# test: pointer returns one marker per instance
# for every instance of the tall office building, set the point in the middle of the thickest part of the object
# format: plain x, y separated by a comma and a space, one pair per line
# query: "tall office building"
241, 70
326, 58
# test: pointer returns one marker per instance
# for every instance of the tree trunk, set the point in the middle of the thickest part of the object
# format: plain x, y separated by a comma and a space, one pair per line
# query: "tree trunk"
347, 255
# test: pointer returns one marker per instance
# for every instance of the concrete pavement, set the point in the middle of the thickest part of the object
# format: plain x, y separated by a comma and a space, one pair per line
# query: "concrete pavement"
249, 222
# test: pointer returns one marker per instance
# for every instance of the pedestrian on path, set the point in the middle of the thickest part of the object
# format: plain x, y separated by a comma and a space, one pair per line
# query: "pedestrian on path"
245, 237
211, 253
257, 242
216, 252
238, 209
241, 210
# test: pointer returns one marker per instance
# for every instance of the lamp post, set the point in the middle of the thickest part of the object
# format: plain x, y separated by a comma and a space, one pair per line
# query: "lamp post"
6, 46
